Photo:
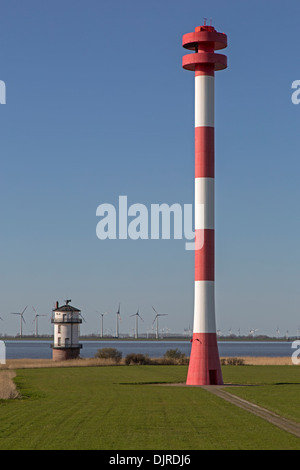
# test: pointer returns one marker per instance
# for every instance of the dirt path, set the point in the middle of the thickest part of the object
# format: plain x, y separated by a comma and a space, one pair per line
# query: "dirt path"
273, 418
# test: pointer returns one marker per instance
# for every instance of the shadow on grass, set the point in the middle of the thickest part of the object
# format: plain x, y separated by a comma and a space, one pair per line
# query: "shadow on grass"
287, 383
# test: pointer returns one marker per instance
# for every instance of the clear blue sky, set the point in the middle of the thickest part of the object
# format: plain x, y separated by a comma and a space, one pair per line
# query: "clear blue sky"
98, 106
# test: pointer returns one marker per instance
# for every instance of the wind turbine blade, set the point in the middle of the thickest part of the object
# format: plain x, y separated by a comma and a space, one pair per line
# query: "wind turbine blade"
24, 309
154, 310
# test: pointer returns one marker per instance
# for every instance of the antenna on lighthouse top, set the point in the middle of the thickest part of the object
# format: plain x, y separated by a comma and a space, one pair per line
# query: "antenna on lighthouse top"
204, 21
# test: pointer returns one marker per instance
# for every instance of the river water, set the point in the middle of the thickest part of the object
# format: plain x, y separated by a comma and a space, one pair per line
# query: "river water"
42, 349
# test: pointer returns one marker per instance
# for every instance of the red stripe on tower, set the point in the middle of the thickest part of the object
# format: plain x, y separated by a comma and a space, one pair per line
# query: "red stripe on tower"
204, 152
204, 366
204, 255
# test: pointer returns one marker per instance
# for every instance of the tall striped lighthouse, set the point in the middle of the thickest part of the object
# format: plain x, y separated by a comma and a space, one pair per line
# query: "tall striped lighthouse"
204, 366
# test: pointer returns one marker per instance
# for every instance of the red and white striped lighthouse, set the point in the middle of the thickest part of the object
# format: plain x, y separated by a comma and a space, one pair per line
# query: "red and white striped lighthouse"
204, 366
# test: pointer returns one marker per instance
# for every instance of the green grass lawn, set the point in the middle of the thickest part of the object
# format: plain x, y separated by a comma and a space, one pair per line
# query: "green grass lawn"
117, 408
277, 387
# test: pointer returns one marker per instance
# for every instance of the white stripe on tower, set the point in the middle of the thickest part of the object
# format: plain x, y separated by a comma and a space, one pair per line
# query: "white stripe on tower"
204, 203
204, 101
204, 305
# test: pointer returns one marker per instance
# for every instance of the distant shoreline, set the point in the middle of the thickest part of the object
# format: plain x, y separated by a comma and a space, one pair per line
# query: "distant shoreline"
163, 339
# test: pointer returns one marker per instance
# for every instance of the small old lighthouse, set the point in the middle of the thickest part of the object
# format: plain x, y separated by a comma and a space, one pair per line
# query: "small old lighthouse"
66, 320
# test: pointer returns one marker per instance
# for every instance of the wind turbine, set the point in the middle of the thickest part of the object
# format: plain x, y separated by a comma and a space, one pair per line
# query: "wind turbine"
80, 314
118, 318
21, 319
253, 331
156, 319
187, 331
136, 315
102, 315
36, 320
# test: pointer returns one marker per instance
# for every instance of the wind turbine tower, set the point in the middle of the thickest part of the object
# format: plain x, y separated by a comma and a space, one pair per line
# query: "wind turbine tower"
36, 321
156, 320
21, 314
204, 366
102, 315
118, 318
137, 316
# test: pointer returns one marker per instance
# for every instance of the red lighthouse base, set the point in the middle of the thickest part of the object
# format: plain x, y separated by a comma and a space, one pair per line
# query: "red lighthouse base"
204, 366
